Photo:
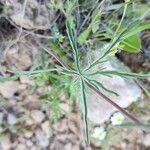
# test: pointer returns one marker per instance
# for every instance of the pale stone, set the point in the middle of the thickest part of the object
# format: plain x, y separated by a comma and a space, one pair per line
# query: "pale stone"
8, 89
21, 146
68, 146
99, 110
25, 80
65, 107
6, 144
1, 117
38, 116
11, 119
42, 138
29, 143
28, 134
146, 140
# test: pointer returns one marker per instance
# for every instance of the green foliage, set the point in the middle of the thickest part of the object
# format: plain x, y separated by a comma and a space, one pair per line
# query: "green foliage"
51, 100
135, 28
60, 84
131, 44
4, 79
84, 35
93, 26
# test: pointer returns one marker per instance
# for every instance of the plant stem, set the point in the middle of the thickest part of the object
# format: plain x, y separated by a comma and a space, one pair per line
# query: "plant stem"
131, 117
123, 16
54, 56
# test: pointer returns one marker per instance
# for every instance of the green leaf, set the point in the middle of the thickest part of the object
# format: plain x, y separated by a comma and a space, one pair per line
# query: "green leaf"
135, 28
5, 79
84, 35
69, 6
95, 20
93, 26
141, 126
69, 72
73, 43
71, 20
121, 74
131, 44
99, 85
42, 57
85, 110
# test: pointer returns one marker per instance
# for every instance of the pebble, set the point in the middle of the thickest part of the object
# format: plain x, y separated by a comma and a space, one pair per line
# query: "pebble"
1, 117
6, 144
61, 126
25, 80
42, 138
68, 146
45, 125
8, 89
21, 146
46, 128
29, 143
65, 107
76, 147
146, 140
34, 148
28, 134
11, 119
38, 116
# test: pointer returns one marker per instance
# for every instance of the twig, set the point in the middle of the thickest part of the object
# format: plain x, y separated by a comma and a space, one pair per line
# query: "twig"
131, 117
55, 56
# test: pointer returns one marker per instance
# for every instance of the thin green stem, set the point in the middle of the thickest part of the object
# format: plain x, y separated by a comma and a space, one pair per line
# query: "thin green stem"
123, 16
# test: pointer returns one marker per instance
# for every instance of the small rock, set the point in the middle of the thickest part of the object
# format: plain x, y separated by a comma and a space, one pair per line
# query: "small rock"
46, 128
76, 147
1, 117
68, 146
61, 126
61, 137
25, 80
146, 140
73, 126
11, 119
29, 122
38, 116
21, 146
45, 125
8, 89
28, 134
29, 143
42, 138
19, 56
34, 148
43, 89
65, 107
6, 144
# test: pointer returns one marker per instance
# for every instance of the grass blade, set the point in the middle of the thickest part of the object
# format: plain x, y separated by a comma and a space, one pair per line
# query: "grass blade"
121, 74
141, 126
99, 85
85, 110
73, 44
